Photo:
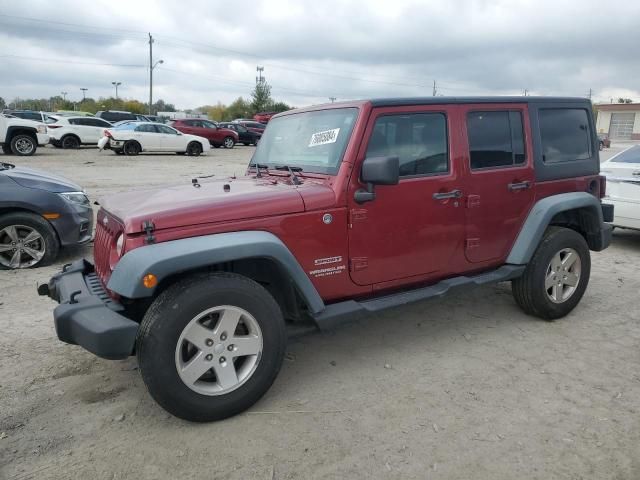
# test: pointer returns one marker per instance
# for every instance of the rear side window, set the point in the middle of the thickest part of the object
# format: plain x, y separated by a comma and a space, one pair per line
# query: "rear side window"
495, 139
565, 135
418, 140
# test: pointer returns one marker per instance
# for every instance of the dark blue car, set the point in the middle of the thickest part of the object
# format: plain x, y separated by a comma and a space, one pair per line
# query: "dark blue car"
39, 213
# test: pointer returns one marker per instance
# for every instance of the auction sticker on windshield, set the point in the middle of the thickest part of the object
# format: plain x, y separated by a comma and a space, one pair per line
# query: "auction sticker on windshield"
322, 138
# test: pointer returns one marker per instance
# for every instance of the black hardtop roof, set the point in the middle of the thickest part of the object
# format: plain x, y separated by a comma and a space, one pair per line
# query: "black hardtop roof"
391, 102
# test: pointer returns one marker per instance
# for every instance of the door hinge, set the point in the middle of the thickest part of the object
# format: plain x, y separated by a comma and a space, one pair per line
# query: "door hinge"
357, 215
357, 264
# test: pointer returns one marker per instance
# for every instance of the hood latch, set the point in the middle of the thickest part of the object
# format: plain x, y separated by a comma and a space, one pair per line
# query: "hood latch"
148, 227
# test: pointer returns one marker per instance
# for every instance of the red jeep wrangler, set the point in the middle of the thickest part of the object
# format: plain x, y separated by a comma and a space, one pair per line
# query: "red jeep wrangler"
345, 209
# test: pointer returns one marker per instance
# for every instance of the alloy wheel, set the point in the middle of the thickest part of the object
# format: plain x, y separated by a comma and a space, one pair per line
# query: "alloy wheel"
24, 146
21, 246
563, 275
219, 350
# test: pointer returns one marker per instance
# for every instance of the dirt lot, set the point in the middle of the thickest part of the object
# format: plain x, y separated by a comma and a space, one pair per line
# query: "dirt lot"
462, 388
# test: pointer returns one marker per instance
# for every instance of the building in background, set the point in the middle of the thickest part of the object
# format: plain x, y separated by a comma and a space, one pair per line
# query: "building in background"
621, 121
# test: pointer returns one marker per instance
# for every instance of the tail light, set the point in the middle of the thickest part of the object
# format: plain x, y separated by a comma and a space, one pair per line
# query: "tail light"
603, 185
54, 126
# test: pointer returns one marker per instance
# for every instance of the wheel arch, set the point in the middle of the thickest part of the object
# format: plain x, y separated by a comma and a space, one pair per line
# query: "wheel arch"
579, 211
258, 255
21, 130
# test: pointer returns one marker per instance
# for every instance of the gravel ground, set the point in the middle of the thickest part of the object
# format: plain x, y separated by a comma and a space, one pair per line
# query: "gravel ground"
466, 387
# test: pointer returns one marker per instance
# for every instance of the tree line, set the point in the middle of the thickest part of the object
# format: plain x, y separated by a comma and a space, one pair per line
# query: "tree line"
260, 101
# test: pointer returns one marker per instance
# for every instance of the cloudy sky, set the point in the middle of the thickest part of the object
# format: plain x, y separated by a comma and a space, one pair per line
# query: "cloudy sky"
315, 50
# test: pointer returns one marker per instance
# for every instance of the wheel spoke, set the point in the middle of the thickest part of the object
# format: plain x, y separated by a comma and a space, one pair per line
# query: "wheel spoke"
196, 367
32, 237
556, 262
571, 279
228, 322
12, 233
198, 334
569, 260
15, 259
33, 253
549, 281
246, 345
226, 374
6, 247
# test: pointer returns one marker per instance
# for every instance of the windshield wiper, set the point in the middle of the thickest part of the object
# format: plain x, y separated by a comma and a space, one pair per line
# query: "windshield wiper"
258, 166
294, 178
6, 166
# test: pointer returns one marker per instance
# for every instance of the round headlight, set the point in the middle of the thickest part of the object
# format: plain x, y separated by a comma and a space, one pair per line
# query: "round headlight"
120, 244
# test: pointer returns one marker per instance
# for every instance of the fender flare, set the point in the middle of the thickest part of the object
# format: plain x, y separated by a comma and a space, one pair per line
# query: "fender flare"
12, 128
177, 256
540, 217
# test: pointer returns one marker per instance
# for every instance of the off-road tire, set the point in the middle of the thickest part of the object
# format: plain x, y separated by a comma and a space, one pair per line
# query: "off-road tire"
168, 316
529, 289
23, 138
194, 149
42, 226
131, 147
70, 141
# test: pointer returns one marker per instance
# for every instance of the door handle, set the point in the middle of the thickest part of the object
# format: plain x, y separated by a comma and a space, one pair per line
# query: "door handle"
519, 186
447, 195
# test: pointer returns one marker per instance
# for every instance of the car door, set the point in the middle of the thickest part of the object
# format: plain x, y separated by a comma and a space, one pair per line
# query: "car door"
411, 231
78, 128
148, 137
98, 127
170, 139
500, 179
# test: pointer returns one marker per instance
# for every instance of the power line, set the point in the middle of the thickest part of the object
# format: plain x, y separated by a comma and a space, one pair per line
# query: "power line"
85, 26
55, 60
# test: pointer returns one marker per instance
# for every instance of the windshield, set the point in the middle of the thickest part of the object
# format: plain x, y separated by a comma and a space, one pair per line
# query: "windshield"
312, 141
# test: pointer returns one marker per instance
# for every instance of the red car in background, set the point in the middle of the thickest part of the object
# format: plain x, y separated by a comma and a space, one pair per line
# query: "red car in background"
263, 117
218, 137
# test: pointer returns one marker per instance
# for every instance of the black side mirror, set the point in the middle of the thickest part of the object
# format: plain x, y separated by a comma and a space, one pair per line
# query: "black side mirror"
377, 171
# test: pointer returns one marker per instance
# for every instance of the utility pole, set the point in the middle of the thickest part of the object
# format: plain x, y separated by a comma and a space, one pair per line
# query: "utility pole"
84, 90
115, 84
526, 92
152, 66
590, 94
435, 90
333, 99
64, 96
259, 77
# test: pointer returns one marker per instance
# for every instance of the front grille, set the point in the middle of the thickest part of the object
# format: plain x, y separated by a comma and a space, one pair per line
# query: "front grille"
106, 234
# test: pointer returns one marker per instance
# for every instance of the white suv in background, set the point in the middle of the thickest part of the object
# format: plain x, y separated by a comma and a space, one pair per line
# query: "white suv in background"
72, 132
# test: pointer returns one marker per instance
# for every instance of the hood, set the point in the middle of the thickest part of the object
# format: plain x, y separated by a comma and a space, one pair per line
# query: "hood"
31, 178
183, 205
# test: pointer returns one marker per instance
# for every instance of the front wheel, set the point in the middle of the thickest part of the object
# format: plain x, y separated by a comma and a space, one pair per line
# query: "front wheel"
26, 240
210, 346
556, 277
23, 145
194, 149
229, 142
131, 148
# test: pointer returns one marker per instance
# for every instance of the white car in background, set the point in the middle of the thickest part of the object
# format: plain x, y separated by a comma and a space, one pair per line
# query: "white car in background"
623, 187
72, 132
132, 138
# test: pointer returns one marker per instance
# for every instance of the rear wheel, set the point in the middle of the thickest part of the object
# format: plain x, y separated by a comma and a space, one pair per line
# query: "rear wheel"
26, 240
228, 142
556, 277
23, 145
194, 149
131, 148
210, 346
70, 141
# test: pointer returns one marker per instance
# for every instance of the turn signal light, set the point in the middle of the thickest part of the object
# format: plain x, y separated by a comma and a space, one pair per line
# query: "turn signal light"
150, 280
51, 216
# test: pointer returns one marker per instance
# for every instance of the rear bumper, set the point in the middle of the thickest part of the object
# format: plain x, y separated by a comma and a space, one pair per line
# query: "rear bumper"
87, 316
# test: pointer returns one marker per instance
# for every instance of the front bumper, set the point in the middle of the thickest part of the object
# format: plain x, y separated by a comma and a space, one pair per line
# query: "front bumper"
87, 316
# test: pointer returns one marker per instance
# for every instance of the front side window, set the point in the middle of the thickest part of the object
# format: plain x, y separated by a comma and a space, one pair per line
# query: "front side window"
565, 134
314, 141
419, 141
495, 139
165, 129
